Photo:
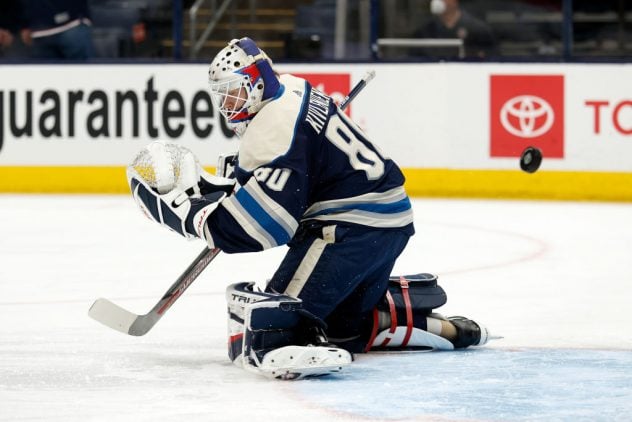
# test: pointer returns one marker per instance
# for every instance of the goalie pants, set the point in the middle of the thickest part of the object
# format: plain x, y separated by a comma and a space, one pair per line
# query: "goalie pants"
341, 273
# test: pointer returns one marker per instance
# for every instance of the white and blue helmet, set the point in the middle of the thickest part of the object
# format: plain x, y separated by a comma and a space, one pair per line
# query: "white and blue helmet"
241, 71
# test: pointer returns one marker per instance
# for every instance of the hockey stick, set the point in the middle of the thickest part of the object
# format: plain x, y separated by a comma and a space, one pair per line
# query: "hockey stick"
112, 315
357, 88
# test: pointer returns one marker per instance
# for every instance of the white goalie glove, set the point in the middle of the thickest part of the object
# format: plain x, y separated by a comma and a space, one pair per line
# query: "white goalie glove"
172, 189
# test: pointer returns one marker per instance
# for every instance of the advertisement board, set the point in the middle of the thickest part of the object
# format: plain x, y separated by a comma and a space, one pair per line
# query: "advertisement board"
475, 117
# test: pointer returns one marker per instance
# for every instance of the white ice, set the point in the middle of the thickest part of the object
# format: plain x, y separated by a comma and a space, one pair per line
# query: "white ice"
553, 278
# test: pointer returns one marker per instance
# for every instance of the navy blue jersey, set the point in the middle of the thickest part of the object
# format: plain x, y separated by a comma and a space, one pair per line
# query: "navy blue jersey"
302, 159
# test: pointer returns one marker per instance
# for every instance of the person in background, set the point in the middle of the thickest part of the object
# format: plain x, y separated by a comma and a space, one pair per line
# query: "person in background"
6, 39
58, 29
11, 20
449, 20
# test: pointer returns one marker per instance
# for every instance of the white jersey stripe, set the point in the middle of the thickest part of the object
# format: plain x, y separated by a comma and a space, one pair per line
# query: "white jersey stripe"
389, 196
276, 211
247, 223
369, 218
307, 265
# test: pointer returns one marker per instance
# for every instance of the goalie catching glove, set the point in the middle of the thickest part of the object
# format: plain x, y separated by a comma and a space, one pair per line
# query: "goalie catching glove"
172, 189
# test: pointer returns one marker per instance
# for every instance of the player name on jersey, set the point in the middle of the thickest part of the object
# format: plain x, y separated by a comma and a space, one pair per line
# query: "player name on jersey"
317, 110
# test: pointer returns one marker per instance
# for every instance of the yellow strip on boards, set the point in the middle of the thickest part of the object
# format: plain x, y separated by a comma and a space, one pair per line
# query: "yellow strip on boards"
63, 180
515, 184
444, 183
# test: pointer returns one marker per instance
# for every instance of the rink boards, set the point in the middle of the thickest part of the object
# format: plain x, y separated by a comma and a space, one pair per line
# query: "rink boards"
456, 129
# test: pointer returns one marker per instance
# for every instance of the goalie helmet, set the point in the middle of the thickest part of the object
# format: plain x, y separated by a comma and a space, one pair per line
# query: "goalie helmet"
242, 81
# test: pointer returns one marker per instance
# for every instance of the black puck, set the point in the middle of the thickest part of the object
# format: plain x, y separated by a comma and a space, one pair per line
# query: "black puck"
530, 159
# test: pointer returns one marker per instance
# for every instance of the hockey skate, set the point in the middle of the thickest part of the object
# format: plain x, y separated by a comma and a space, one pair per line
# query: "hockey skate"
298, 362
314, 358
468, 332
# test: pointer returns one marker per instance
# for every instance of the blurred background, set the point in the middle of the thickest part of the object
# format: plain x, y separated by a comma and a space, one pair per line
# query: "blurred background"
323, 30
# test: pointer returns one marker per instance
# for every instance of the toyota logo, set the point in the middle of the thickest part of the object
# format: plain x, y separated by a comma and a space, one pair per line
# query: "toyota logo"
532, 116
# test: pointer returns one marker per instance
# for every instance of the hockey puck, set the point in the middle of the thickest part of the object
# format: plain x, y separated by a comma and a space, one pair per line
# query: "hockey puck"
530, 159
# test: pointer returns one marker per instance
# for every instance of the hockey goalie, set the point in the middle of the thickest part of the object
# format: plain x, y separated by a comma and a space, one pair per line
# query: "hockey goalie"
305, 176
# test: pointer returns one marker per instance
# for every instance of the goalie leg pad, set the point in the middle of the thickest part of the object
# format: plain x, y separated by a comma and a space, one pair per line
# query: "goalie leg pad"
408, 302
268, 334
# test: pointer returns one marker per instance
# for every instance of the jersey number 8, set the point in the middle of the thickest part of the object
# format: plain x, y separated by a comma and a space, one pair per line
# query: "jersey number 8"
342, 133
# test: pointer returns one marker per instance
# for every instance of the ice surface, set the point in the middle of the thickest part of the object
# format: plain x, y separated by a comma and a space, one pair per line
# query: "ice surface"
554, 278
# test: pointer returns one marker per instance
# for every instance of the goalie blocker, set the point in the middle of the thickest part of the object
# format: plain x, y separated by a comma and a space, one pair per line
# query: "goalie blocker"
273, 335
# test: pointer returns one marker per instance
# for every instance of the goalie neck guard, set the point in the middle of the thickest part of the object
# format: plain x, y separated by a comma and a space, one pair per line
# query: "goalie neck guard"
242, 81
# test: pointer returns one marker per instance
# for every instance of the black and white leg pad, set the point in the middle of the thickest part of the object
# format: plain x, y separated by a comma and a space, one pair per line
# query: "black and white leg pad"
408, 302
266, 335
